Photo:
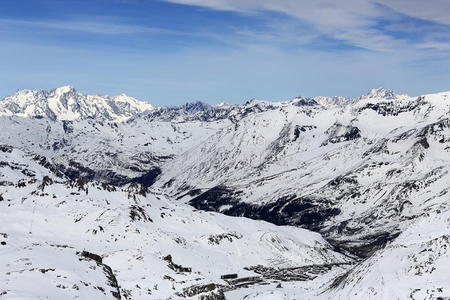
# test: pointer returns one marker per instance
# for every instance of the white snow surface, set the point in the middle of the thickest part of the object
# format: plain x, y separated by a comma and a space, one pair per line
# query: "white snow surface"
65, 103
47, 222
380, 163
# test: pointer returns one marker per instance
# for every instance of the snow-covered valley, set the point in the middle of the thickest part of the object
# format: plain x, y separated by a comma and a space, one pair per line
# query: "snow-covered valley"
312, 198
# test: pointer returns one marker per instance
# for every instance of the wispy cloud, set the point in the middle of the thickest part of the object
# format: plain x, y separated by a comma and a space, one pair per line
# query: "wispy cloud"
355, 22
435, 45
90, 25
432, 10
262, 48
379, 25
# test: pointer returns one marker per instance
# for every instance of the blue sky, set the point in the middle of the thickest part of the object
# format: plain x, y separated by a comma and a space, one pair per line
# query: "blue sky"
170, 52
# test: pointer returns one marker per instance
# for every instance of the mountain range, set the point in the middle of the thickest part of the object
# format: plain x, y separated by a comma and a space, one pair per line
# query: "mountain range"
317, 198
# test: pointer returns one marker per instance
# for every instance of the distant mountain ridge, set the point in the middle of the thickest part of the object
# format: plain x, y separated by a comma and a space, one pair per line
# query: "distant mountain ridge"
66, 103
379, 93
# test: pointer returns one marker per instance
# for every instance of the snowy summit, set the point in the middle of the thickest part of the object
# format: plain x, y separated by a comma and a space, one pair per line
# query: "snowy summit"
65, 103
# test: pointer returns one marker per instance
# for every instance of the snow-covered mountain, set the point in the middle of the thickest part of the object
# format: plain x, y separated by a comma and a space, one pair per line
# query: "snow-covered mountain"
105, 195
356, 174
65, 103
378, 93
77, 239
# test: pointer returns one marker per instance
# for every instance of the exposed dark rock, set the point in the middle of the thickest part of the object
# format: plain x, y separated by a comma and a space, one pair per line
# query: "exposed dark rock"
92, 256
296, 133
43, 271
112, 280
197, 289
288, 210
434, 128
5, 148
67, 126
194, 107
148, 179
308, 213
214, 198
190, 111
299, 129
218, 238
342, 180
365, 246
424, 143
75, 170
45, 181
59, 145
305, 102
43, 161
339, 133
352, 133
340, 280
214, 295
137, 213
191, 193
394, 108
176, 267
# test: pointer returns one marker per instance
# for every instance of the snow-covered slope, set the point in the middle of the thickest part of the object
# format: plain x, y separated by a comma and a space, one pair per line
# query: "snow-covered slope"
370, 175
413, 266
113, 152
356, 174
77, 239
65, 103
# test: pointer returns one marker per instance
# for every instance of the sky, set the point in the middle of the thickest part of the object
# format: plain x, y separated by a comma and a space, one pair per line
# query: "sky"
169, 52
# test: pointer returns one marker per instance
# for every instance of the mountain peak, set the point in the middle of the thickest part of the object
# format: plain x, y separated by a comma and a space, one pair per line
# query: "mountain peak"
375, 93
382, 93
196, 106
65, 103
223, 104
65, 89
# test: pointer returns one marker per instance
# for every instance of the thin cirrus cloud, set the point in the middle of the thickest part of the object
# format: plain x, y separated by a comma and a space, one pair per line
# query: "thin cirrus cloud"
170, 51
92, 26
357, 22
